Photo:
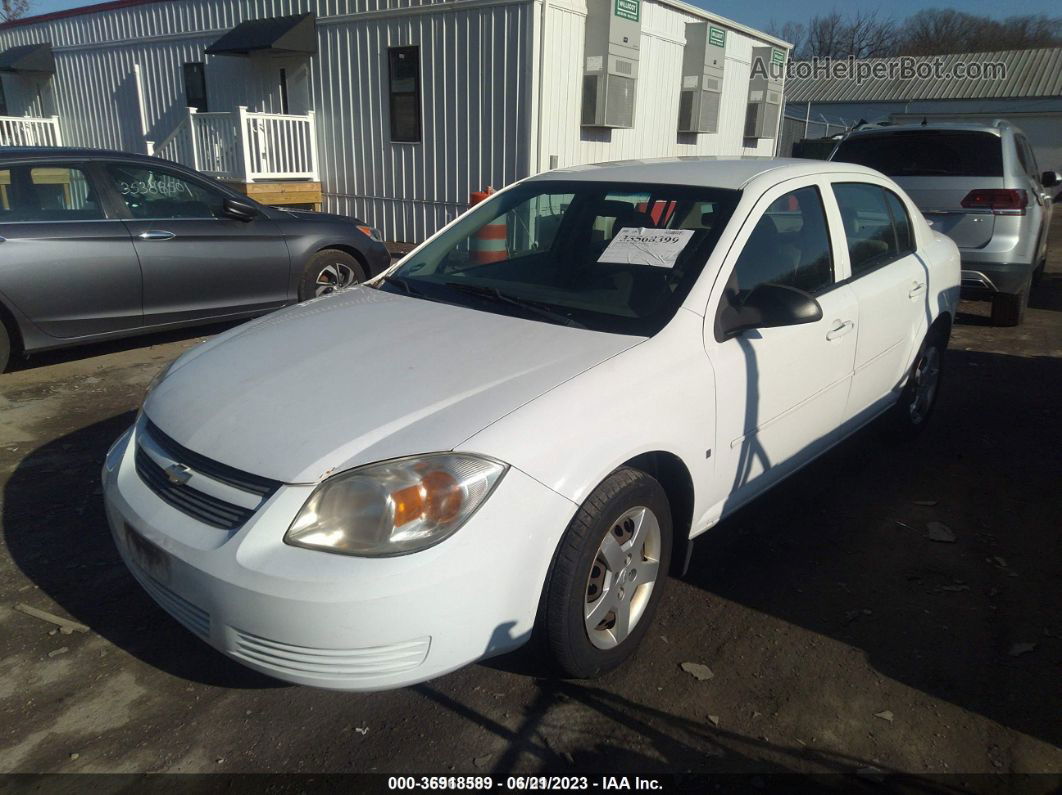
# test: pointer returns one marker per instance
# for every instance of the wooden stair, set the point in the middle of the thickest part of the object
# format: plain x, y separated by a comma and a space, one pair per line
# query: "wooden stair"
281, 193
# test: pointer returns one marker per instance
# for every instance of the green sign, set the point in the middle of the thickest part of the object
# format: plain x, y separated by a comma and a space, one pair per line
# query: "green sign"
717, 36
777, 56
628, 9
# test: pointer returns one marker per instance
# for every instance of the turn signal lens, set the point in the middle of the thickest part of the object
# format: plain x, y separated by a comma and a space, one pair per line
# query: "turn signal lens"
372, 232
395, 507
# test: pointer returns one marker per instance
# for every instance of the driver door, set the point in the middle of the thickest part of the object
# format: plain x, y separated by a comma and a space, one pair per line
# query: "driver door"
781, 391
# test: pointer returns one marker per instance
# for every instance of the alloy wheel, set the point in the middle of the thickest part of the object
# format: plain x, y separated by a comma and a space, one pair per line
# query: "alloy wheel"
926, 379
333, 277
622, 577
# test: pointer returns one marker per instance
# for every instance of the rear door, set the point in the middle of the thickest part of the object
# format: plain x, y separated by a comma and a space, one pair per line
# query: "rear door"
937, 169
64, 263
891, 285
197, 262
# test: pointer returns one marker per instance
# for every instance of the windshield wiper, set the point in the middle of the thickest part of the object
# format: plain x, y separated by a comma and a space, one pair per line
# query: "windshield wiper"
405, 285
534, 307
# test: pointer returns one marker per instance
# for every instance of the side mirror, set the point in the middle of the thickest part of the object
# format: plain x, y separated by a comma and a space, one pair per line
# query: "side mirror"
241, 211
769, 306
1050, 178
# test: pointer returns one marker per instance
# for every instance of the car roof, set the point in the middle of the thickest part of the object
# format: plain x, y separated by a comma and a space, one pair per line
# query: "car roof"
67, 153
733, 173
994, 128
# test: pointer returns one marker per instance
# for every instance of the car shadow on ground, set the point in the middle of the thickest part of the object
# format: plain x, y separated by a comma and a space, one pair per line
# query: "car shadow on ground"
95, 349
841, 548
56, 532
616, 735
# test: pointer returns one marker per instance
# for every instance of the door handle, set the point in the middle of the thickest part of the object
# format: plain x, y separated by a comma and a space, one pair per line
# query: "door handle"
156, 234
839, 329
916, 289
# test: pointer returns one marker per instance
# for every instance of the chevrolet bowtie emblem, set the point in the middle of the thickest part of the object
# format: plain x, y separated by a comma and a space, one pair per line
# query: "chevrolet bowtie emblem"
178, 474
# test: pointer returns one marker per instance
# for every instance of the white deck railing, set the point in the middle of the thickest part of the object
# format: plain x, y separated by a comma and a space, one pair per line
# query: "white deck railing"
244, 146
30, 131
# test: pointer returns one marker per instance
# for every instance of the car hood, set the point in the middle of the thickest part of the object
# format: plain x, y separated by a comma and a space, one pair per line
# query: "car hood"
360, 376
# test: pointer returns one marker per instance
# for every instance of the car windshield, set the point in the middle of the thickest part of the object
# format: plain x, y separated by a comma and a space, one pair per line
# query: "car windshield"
608, 256
926, 153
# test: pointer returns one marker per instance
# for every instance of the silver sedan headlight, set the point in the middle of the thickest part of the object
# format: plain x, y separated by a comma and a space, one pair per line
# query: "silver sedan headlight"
395, 507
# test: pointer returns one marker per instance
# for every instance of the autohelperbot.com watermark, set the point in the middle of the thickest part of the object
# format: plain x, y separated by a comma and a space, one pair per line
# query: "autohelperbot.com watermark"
857, 70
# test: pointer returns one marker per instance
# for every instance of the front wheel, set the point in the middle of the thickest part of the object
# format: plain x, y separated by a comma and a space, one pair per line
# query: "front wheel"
608, 575
328, 271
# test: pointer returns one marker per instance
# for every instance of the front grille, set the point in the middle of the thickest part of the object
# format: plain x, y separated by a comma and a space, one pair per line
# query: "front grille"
345, 663
263, 487
205, 507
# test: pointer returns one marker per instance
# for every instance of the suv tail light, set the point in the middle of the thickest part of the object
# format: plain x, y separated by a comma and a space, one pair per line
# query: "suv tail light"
1001, 201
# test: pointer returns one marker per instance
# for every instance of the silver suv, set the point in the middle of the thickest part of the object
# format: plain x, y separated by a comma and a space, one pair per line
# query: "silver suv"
980, 185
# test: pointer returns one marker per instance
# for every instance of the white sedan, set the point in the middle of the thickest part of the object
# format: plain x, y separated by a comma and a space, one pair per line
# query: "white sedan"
523, 425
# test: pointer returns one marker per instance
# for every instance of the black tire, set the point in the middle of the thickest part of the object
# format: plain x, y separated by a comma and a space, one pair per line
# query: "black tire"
563, 623
912, 411
1038, 274
1008, 309
339, 262
5, 347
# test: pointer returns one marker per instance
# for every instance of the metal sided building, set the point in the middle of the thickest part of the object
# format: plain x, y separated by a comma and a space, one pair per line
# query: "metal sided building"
391, 110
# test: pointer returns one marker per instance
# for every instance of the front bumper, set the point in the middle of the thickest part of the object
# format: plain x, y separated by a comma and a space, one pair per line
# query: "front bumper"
334, 621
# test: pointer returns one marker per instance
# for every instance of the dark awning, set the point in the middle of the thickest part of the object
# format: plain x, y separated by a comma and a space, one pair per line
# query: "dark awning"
28, 58
282, 35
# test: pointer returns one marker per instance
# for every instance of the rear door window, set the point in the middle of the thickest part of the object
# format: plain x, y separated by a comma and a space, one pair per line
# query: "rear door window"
47, 193
868, 225
901, 221
926, 153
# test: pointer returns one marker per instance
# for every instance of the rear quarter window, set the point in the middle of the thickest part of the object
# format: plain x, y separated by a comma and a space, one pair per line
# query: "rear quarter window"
926, 153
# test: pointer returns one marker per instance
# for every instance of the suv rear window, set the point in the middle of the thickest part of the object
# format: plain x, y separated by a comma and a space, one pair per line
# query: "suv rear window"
926, 153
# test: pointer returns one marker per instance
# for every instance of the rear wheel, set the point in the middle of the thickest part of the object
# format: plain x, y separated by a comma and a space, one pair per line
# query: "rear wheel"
919, 396
1008, 309
608, 575
5, 348
1038, 274
328, 271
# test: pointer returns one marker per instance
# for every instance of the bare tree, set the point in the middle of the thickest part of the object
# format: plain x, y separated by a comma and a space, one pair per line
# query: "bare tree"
861, 34
933, 31
793, 32
939, 31
13, 9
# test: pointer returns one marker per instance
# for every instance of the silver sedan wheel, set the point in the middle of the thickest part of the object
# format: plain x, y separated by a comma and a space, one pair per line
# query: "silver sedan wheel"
334, 277
622, 577
926, 379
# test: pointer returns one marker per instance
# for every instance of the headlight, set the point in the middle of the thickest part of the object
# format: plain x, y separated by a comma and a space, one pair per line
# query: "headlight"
395, 507
372, 232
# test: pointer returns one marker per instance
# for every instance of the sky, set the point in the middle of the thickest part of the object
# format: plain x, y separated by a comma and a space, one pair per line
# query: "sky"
759, 13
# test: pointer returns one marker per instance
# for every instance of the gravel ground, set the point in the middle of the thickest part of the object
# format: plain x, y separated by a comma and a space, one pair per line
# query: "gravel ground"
839, 635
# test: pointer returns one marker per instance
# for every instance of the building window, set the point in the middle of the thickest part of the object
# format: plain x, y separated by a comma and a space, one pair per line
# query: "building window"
3, 99
405, 93
195, 95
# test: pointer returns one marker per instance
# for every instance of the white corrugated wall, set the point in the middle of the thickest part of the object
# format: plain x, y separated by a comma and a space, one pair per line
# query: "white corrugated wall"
655, 132
480, 91
475, 90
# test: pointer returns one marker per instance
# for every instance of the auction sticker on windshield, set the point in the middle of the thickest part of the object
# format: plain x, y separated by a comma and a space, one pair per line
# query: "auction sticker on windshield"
641, 246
